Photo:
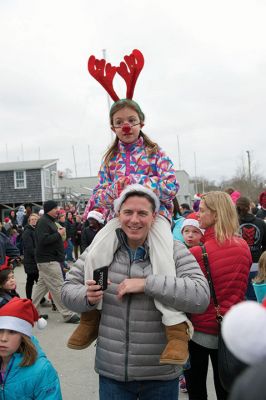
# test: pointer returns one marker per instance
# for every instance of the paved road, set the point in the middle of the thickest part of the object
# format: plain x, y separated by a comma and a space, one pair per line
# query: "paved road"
75, 368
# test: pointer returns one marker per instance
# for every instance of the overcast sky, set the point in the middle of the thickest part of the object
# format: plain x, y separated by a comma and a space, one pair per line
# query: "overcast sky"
203, 82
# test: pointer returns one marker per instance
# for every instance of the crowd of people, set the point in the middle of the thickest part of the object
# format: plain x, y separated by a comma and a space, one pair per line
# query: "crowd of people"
156, 322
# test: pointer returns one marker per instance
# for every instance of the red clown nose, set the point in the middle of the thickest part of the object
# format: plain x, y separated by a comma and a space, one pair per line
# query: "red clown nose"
126, 128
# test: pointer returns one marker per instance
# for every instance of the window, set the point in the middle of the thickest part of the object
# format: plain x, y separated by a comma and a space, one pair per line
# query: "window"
47, 178
53, 179
20, 179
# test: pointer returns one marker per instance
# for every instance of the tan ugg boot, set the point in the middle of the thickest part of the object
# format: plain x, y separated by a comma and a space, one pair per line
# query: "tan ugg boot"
86, 332
176, 350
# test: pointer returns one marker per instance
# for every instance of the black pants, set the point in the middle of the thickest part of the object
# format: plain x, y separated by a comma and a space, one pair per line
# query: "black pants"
76, 251
31, 278
196, 376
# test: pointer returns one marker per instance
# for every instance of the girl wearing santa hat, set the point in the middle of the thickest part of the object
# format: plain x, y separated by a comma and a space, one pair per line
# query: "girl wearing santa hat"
25, 371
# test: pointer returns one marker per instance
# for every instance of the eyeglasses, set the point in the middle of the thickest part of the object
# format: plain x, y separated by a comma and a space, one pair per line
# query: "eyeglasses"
126, 123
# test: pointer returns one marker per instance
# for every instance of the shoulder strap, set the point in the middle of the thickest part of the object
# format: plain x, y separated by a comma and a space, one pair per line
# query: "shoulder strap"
210, 281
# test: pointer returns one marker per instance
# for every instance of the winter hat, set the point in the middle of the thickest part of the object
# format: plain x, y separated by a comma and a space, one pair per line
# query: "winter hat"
243, 331
262, 199
19, 315
6, 220
135, 188
191, 222
97, 216
49, 205
61, 212
235, 196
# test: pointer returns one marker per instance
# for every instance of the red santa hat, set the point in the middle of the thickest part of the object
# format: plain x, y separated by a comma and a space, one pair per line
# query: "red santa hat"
243, 331
19, 315
197, 196
97, 216
191, 222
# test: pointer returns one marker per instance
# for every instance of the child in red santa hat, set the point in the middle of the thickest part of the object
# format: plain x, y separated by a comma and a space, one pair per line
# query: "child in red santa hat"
191, 231
25, 372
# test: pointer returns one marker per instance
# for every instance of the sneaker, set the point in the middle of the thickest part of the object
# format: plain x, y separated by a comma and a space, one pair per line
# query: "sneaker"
73, 320
44, 316
182, 384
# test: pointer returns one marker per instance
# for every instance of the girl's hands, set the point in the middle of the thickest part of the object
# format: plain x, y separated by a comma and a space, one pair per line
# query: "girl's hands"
121, 183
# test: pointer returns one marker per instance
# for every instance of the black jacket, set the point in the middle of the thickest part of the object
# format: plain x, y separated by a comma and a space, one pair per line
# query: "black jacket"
70, 227
261, 214
253, 231
87, 236
29, 248
49, 243
76, 239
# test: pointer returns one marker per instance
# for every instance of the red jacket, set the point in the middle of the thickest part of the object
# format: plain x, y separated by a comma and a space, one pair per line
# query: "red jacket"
230, 263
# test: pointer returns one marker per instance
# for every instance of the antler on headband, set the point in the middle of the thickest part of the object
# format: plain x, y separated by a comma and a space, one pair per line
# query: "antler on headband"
131, 70
104, 74
128, 70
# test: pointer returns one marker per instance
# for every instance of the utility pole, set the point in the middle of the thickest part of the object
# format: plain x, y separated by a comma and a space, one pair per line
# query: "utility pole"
195, 171
178, 152
89, 154
22, 152
249, 166
74, 160
108, 97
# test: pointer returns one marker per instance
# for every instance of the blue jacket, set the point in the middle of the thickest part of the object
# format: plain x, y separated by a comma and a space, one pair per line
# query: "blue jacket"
37, 382
177, 222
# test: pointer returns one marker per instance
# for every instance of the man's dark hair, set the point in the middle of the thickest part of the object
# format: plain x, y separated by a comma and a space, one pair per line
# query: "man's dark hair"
140, 194
176, 210
185, 206
243, 206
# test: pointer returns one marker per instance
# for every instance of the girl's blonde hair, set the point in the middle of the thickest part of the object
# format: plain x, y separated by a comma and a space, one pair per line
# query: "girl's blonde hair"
261, 276
151, 147
28, 350
226, 221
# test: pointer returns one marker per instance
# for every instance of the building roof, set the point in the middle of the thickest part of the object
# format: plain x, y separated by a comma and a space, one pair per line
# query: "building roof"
22, 165
85, 185
82, 185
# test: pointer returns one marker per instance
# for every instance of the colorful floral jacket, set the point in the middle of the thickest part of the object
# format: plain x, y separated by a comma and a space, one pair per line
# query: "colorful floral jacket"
133, 164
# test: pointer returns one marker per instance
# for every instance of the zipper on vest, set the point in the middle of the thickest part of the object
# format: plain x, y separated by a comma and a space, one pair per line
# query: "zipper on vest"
127, 325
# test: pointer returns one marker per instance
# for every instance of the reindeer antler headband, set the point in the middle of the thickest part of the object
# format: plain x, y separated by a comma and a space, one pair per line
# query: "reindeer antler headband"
128, 70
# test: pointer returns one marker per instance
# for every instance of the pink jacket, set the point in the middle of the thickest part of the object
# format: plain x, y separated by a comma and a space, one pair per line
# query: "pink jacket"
132, 164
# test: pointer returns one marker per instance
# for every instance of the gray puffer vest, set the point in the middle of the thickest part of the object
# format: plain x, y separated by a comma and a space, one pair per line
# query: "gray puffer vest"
131, 334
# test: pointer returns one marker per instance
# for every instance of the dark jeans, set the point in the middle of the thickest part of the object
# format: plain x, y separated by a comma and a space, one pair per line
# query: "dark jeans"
76, 251
69, 250
31, 278
142, 390
196, 376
